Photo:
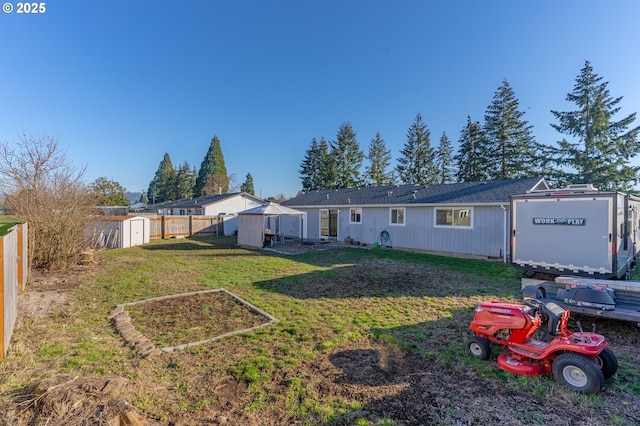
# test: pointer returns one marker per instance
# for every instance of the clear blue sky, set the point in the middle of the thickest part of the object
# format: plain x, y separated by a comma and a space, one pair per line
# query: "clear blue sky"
122, 82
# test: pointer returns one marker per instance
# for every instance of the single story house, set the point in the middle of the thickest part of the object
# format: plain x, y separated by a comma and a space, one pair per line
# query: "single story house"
226, 206
465, 218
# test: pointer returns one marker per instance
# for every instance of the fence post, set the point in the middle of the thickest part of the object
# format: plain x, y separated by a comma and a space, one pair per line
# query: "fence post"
3, 301
21, 259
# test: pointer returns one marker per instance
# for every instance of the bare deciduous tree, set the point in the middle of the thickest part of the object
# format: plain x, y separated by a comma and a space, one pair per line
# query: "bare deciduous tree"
45, 190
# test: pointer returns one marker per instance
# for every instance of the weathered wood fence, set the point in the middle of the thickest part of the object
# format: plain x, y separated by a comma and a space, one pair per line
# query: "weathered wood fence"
185, 226
13, 272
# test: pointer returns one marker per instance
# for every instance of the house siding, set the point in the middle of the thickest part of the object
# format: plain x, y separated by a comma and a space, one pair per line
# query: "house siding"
226, 206
230, 208
230, 205
486, 238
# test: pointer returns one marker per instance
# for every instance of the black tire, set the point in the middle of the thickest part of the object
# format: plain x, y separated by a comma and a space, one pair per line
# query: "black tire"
532, 292
578, 373
479, 347
607, 362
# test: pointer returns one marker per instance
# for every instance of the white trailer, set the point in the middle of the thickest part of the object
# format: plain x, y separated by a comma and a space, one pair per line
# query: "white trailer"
577, 230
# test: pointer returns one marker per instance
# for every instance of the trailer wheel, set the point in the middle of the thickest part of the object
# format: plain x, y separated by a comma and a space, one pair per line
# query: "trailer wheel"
578, 373
607, 362
533, 292
479, 347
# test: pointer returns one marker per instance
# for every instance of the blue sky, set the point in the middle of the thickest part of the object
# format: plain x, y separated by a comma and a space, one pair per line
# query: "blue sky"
122, 82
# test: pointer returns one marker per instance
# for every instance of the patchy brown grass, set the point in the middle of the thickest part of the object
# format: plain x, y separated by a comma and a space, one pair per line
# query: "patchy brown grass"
364, 337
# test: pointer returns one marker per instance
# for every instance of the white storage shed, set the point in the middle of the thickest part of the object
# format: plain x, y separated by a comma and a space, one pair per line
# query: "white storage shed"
119, 231
261, 225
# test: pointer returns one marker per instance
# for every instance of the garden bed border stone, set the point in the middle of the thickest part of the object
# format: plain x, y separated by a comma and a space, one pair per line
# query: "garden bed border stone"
122, 321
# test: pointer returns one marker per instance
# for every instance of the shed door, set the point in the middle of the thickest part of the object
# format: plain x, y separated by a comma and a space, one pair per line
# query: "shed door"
137, 232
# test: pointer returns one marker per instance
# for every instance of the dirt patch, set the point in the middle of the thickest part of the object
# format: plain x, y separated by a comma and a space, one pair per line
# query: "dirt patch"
181, 321
47, 292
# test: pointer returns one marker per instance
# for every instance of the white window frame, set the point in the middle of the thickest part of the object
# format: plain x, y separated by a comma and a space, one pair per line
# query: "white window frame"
404, 216
358, 212
469, 211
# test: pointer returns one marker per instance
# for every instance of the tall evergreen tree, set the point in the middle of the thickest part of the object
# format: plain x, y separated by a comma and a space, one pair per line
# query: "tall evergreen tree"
379, 160
311, 168
600, 148
444, 160
213, 172
327, 165
247, 186
511, 148
417, 164
185, 181
348, 158
471, 158
217, 183
317, 170
143, 197
162, 186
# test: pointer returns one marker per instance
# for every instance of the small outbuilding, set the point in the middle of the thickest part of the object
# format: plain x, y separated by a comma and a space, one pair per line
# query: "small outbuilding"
222, 206
119, 231
262, 225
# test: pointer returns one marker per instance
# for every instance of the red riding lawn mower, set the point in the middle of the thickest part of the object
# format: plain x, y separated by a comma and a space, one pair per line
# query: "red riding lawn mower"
579, 360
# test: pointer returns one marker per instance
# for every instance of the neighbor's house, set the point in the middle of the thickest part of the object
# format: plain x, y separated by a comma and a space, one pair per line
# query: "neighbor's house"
466, 218
225, 206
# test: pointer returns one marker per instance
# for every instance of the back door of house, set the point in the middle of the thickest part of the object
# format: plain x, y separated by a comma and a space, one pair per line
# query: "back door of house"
328, 223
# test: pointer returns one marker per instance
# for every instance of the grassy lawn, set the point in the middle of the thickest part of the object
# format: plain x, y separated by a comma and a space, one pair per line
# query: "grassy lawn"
360, 334
6, 222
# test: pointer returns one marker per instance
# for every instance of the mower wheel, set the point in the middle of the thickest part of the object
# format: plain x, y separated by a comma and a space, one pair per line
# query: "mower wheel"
578, 373
607, 362
479, 347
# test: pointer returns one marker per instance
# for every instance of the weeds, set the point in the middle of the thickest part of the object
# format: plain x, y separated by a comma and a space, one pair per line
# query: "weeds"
326, 303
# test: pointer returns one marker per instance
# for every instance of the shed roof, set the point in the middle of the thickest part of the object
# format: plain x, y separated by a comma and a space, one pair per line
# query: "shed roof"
114, 218
271, 209
485, 192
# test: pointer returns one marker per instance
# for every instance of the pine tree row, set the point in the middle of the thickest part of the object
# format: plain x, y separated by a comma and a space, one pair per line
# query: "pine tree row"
503, 147
170, 183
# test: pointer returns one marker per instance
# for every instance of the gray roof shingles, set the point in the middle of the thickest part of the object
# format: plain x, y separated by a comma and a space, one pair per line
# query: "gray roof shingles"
494, 191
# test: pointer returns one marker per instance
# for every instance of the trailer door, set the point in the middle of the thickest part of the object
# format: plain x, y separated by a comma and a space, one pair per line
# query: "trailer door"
564, 234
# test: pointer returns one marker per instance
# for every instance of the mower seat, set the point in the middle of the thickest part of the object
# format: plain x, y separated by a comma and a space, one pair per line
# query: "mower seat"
554, 314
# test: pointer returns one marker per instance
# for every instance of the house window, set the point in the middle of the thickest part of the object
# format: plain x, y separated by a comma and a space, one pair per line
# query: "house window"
454, 218
397, 216
355, 215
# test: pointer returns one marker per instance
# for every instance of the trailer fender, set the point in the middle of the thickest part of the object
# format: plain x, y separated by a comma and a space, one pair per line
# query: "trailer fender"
534, 292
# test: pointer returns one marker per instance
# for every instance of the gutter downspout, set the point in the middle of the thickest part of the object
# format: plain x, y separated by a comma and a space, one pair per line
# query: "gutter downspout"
504, 234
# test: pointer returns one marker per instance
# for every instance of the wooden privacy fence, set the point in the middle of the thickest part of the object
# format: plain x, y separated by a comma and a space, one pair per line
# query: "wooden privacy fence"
13, 272
186, 226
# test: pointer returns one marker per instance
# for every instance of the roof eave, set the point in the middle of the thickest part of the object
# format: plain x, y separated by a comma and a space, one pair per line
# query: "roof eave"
472, 204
